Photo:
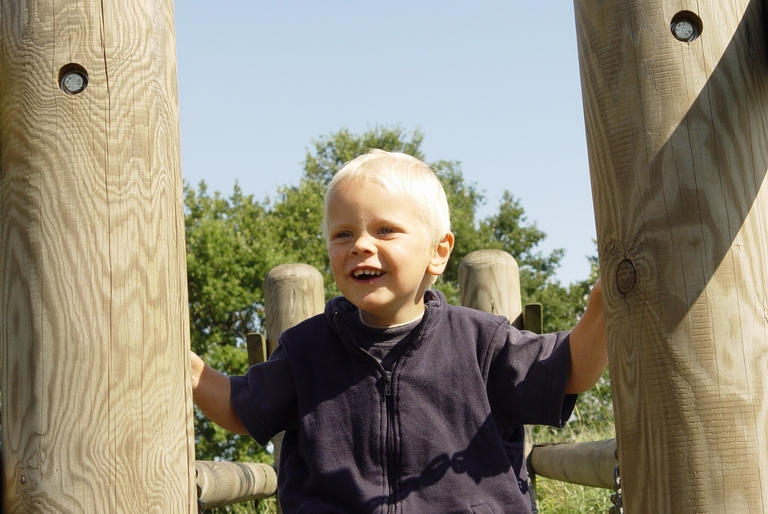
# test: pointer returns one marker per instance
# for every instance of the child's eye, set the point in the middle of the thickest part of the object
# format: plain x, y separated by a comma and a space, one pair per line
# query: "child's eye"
341, 235
387, 230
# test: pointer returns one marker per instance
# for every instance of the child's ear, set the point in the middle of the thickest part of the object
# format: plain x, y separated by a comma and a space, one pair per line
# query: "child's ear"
440, 255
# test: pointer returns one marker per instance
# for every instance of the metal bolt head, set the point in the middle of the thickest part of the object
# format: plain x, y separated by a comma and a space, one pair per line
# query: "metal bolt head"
684, 30
73, 82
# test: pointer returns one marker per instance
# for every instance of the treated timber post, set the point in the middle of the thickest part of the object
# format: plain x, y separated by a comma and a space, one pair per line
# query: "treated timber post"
256, 344
678, 146
489, 280
292, 293
94, 334
227, 483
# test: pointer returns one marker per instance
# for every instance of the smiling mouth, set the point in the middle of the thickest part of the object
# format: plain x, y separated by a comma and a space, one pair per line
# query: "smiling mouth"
364, 274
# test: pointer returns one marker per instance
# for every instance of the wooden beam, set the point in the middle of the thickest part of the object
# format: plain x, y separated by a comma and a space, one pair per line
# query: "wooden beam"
226, 483
533, 318
591, 464
489, 281
94, 333
677, 129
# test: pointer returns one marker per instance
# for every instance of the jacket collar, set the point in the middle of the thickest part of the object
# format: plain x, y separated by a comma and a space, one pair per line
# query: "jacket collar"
339, 306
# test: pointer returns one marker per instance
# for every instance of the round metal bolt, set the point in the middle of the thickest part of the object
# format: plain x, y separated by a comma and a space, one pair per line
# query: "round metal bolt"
684, 31
73, 82
686, 26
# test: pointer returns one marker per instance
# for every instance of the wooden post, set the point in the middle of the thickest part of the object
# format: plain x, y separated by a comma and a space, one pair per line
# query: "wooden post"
94, 332
292, 293
677, 134
489, 280
256, 344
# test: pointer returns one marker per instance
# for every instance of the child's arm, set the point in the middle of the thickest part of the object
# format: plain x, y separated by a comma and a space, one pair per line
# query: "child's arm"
211, 393
589, 349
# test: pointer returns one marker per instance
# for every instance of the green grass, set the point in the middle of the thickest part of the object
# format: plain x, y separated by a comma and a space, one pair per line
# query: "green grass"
265, 506
592, 420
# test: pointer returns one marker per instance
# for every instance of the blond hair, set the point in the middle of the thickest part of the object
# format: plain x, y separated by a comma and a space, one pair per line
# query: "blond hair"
399, 173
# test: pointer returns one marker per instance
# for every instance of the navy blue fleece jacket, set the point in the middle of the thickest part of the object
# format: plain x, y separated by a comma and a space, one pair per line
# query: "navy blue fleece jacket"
430, 435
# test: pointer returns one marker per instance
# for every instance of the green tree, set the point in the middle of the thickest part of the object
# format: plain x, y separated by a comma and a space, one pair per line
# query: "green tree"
509, 230
230, 248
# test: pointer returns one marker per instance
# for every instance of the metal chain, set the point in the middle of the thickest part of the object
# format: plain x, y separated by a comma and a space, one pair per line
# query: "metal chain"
200, 502
617, 507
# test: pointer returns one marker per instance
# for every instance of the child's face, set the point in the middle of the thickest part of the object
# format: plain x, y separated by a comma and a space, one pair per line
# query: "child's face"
380, 252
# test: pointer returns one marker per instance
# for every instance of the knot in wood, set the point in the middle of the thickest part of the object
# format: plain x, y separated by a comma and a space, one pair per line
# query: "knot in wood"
626, 276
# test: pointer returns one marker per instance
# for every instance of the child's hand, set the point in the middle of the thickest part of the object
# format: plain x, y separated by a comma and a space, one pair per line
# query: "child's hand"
589, 351
197, 366
210, 392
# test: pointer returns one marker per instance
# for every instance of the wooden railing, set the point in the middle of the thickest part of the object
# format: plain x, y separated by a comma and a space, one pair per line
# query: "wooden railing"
225, 483
591, 464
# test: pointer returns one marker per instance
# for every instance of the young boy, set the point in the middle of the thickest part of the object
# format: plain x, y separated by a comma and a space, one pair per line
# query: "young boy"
392, 400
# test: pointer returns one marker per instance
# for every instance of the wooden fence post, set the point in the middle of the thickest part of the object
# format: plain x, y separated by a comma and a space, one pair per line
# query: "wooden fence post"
676, 107
489, 280
292, 293
94, 331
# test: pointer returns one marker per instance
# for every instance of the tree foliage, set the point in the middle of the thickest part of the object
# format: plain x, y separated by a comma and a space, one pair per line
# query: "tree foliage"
229, 251
233, 242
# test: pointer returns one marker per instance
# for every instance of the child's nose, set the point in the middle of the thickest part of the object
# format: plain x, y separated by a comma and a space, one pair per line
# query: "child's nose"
363, 244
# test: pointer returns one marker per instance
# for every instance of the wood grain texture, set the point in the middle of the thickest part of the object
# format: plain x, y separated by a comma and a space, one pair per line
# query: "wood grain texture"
225, 483
678, 156
590, 463
489, 281
93, 306
292, 293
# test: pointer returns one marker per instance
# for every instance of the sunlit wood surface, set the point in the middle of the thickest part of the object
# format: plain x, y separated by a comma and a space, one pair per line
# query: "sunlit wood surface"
677, 136
97, 412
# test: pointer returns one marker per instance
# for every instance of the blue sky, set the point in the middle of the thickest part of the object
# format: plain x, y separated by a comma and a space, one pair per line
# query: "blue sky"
493, 84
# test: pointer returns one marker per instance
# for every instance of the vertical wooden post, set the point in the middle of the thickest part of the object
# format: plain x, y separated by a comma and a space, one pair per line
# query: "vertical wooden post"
489, 280
292, 293
677, 134
97, 411
256, 344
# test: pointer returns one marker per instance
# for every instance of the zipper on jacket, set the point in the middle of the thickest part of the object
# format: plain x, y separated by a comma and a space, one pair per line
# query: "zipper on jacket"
389, 449
390, 443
